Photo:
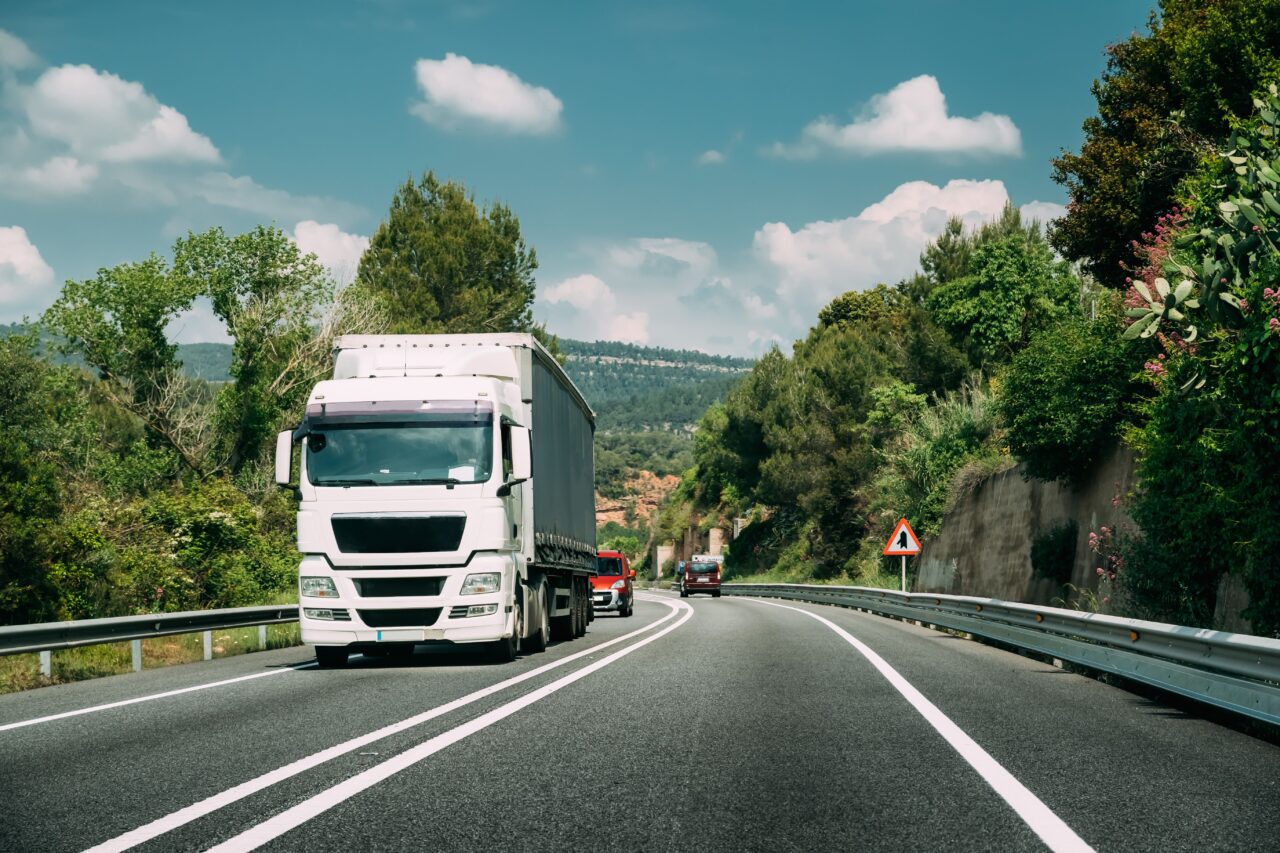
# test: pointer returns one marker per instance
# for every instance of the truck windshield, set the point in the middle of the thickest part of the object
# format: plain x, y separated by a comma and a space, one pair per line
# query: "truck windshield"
608, 567
441, 447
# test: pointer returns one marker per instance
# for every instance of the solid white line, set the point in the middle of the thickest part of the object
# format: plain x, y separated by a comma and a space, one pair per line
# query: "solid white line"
183, 816
1053, 831
294, 817
123, 702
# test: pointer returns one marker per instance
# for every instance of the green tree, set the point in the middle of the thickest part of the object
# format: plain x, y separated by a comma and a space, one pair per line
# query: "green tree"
117, 322
1014, 288
1063, 397
449, 265
1201, 60
278, 306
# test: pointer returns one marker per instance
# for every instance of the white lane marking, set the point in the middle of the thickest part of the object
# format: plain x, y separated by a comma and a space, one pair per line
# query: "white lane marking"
1053, 831
123, 702
211, 804
294, 817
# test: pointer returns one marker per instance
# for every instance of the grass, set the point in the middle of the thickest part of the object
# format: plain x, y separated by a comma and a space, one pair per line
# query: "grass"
22, 672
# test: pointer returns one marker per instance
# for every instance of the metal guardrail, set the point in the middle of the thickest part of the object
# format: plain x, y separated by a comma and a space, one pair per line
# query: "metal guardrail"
46, 637
1237, 672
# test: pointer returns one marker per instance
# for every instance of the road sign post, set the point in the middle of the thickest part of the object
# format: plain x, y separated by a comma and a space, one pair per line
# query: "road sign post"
903, 543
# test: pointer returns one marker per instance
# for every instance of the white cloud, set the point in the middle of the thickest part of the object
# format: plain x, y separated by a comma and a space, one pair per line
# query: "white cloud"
1042, 211
584, 292
664, 255
102, 117
881, 244
244, 193
57, 176
76, 130
458, 92
14, 52
711, 158
26, 281
593, 306
911, 116
690, 297
337, 250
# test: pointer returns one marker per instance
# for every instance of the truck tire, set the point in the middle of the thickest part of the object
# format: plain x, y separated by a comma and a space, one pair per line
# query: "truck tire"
331, 657
580, 613
540, 607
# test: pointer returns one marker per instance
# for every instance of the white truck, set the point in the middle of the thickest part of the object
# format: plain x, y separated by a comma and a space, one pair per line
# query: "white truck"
446, 495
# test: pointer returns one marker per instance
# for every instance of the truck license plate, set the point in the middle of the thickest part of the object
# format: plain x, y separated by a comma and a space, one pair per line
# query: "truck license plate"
410, 635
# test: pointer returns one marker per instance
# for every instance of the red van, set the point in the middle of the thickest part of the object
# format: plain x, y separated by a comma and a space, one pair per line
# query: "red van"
700, 576
611, 588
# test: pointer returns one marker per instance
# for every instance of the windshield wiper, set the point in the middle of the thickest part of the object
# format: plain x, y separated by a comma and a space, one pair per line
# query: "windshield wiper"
431, 481
365, 482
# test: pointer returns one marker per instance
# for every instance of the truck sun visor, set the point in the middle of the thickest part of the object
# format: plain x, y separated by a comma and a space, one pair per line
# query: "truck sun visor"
460, 412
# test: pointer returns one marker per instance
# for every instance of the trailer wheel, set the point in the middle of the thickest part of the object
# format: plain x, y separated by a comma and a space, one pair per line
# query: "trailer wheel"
331, 657
580, 612
541, 634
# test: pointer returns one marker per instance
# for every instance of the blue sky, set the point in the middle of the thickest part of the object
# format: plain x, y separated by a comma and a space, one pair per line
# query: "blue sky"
703, 176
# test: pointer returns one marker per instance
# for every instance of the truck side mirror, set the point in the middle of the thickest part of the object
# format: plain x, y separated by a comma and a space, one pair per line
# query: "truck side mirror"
284, 458
521, 455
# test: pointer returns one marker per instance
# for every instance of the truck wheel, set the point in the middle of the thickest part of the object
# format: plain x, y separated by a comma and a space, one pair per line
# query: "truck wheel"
541, 634
580, 615
331, 657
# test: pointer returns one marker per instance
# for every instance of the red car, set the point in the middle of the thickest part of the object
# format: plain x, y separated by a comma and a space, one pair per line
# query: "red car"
700, 576
611, 588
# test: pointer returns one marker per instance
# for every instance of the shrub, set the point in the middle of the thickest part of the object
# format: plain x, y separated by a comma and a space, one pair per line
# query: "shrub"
1053, 553
1064, 396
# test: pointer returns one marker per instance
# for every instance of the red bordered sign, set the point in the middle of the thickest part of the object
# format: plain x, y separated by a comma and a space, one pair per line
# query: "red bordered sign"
903, 542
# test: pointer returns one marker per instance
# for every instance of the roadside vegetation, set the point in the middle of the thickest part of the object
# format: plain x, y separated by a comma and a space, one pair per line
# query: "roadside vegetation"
1151, 316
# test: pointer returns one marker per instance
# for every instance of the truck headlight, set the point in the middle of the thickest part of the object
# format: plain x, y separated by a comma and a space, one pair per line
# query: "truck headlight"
317, 587
619, 585
481, 582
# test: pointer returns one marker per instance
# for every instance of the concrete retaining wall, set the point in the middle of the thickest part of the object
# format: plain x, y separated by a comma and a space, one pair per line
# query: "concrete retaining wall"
985, 545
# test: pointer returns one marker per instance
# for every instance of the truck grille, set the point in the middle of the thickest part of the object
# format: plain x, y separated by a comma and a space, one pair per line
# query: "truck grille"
388, 587
421, 617
367, 534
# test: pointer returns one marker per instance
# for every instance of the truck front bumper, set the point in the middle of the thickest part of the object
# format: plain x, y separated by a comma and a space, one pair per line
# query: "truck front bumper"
348, 618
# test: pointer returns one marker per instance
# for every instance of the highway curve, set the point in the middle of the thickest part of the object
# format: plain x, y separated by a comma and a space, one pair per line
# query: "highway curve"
706, 724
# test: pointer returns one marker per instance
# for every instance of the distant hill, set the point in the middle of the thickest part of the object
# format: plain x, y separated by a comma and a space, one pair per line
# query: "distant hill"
637, 389
631, 388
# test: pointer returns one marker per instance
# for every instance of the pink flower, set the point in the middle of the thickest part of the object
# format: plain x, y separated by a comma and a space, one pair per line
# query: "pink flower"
1106, 599
1100, 571
1274, 324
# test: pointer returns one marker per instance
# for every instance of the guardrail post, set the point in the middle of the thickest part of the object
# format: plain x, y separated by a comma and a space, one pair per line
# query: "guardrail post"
137, 655
46, 663
262, 637
208, 645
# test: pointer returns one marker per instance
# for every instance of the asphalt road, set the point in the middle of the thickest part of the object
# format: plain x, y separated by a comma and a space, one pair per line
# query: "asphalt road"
700, 724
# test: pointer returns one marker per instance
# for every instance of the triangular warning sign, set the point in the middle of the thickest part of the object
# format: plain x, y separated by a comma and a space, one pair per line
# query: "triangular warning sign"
903, 542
